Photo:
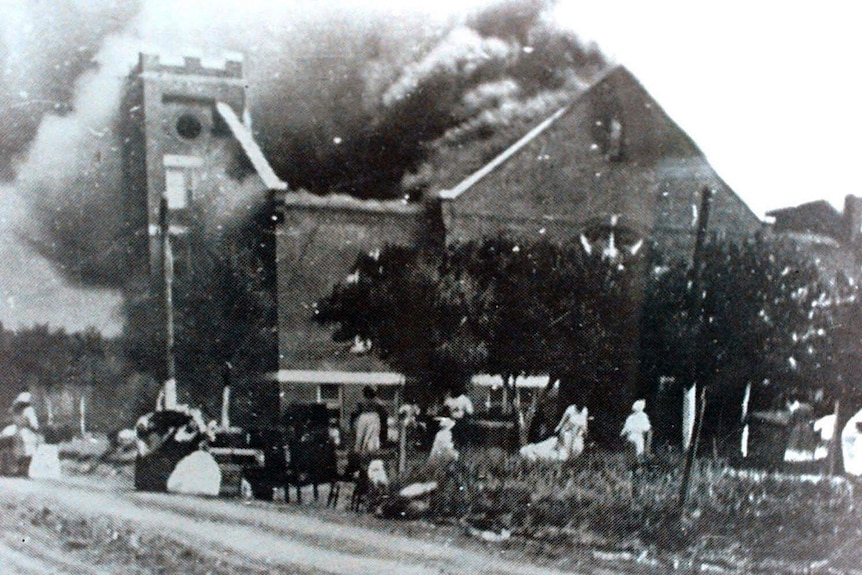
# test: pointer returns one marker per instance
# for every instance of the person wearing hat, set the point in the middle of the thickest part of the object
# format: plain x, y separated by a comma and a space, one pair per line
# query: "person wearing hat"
637, 430
27, 424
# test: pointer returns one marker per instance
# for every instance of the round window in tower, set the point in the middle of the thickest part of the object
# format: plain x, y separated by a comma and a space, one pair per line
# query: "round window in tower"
189, 126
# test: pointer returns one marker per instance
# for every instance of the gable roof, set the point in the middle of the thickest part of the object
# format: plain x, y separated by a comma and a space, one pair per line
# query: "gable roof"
473, 178
614, 81
567, 169
250, 147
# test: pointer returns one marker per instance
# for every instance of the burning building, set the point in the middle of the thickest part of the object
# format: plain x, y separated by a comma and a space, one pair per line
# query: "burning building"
197, 188
186, 129
610, 169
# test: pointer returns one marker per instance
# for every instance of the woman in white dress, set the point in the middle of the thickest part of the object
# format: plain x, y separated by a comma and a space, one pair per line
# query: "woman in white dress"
568, 441
572, 430
27, 429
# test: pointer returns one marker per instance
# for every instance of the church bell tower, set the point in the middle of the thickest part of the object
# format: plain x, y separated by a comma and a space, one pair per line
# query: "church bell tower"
174, 139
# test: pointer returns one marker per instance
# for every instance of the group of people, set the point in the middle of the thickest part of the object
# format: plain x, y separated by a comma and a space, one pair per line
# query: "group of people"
567, 442
570, 434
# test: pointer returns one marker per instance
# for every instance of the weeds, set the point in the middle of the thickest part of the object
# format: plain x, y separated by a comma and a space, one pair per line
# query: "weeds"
601, 499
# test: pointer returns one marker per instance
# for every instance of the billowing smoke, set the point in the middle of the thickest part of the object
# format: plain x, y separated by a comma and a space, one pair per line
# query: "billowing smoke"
72, 176
44, 49
345, 98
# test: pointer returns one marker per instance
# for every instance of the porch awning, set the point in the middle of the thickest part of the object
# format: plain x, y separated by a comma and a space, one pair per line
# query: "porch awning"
522, 381
337, 377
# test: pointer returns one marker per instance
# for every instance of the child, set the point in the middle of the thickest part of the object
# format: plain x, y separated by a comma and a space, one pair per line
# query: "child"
637, 430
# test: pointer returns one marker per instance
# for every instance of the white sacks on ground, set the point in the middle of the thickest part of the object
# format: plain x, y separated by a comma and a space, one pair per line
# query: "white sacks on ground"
568, 442
45, 463
551, 449
851, 445
415, 490
196, 474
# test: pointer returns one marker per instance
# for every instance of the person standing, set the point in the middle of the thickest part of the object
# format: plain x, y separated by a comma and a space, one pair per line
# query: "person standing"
443, 449
572, 430
27, 425
637, 430
460, 411
369, 424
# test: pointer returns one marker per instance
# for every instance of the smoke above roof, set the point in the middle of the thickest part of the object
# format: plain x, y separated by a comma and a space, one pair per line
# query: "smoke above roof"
345, 97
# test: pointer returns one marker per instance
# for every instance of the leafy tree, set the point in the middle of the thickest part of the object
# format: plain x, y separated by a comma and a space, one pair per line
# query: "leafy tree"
760, 326
417, 316
557, 310
497, 306
840, 356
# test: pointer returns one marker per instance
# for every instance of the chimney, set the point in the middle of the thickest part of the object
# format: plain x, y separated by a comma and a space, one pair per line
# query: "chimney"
852, 218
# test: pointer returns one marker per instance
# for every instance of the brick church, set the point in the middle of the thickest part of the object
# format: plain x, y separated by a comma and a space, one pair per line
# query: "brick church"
609, 162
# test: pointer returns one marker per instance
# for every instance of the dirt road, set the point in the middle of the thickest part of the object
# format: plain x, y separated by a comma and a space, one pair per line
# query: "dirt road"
76, 527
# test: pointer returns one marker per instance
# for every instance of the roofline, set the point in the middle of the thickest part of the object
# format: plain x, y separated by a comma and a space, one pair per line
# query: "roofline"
305, 200
478, 175
508, 153
245, 138
790, 209
337, 377
522, 381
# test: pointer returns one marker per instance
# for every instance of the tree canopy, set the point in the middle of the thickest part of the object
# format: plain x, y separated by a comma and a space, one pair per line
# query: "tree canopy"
608, 328
496, 306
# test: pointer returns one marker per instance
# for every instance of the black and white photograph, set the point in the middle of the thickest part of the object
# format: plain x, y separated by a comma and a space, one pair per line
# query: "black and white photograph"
478, 287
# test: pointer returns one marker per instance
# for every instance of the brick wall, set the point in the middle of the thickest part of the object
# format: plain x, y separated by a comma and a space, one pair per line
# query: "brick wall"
317, 245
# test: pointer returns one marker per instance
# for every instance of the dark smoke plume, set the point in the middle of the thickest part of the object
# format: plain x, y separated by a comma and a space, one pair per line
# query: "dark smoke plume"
344, 99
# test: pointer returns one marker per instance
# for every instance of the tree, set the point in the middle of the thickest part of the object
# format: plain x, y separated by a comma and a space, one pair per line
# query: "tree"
841, 358
502, 307
416, 314
761, 326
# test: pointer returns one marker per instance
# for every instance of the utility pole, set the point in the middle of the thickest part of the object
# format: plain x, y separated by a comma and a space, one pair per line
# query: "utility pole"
225, 395
696, 307
170, 387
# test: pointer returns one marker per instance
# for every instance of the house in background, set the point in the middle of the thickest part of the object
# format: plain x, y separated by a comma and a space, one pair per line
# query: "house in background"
832, 238
611, 166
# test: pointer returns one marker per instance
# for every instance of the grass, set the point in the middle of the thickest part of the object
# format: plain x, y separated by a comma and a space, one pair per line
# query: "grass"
598, 499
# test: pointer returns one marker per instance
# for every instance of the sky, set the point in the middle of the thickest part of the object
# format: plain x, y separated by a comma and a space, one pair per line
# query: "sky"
767, 90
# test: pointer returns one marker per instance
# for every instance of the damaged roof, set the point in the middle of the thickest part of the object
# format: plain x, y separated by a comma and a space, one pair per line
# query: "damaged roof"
245, 138
611, 152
